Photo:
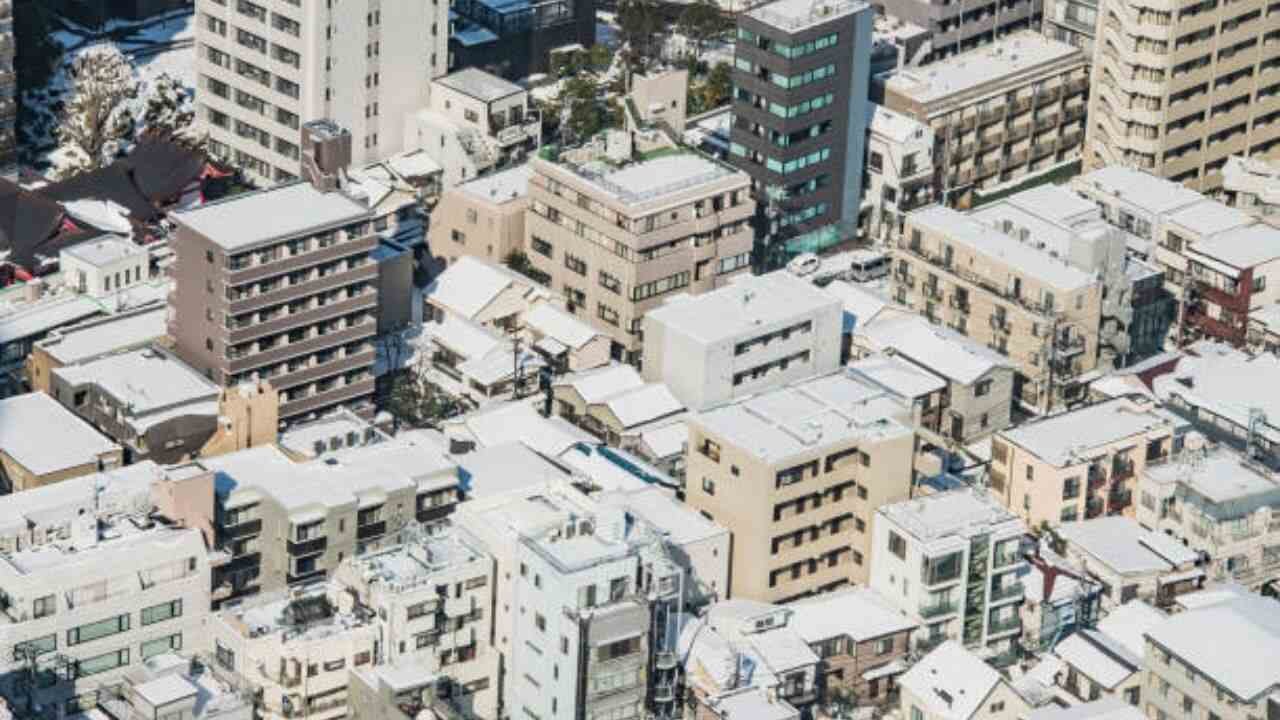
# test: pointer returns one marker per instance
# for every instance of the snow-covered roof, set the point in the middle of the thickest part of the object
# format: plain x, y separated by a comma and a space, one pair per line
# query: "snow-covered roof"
944, 351
520, 422
1225, 382
666, 440
643, 404
276, 213
551, 321
1111, 708
951, 672
898, 375
44, 437
1235, 643
143, 380
1125, 547
599, 384
78, 342
1241, 248
749, 305
469, 285
1067, 438
861, 306
859, 613
465, 338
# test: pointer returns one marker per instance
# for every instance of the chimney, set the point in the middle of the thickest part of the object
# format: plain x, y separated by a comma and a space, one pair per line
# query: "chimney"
326, 154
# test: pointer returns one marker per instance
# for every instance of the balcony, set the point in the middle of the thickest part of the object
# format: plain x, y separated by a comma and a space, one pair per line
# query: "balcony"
371, 530
1007, 592
243, 529
1069, 344
960, 303
1002, 626
1121, 469
664, 693
666, 660
1000, 323
1005, 558
298, 548
432, 514
937, 609
1097, 477
295, 578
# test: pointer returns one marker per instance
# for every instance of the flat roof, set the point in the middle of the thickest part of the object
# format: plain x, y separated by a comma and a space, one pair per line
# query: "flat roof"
520, 422
651, 180
1112, 708
70, 345
750, 305
45, 437
104, 250
982, 67
500, 187
1242, 247
1067, 438
145, 380
962, 513
898, 375
1235, 643
942, 350
805, 416
1153, 194
1220, 475
897, 126
1209, 217
276, 213
859, 613
1126, 547
24, 320
796, 15
1225, 382
958, 227
479, 84
54, 503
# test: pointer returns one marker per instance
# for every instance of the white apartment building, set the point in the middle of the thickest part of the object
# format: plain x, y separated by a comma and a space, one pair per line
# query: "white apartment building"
94, 599
1252, 184
108, 264
1221, 505
756, 333
899, 170
264, 71
585, 608
1130, 561
432, 597
953, 558
297, 649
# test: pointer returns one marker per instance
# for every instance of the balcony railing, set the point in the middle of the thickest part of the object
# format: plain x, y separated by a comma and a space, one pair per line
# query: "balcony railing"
1006, 592
307, 547
1004, 625
936, 609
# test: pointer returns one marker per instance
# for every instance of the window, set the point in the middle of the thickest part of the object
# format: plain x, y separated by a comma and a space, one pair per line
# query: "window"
540, 246
982, 388
618, 649
159, 646
161, 612
225, 657
916, 714
102, 663
1260, 283
609, 282
575, 264
36, 646
98, 630
884, 646
708, 486
897, 545
540, 622
607, 314
457, 236
45, 606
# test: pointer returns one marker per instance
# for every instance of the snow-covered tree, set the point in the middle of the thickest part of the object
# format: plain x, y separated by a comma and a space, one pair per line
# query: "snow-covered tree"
169, 110
97, 123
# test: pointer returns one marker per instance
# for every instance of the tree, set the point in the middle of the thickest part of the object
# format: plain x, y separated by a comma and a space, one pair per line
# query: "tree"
711, 93
587, 114
169, 110
96, 124
642, 29
416, 401
700, 22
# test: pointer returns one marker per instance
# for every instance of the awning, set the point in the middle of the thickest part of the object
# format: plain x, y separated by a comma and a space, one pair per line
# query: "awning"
894, 668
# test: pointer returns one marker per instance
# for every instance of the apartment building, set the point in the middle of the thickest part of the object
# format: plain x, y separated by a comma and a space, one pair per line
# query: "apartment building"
1130, 561
796, 473
1133, 322
474, 124
344, 504
1188, 673
586, 602
954, 29
758, 332
952, 683
91, 595
979, 382
482, 218
93, 339
263, 73
1221, 505
997, 113
1233, 275
8, 96
42, 443
953, 559
899, 171
1252, 184
515, 40
433, 599
1177, 90
800, 110
1074, 22
297, 648
170, 685
615, 241
1083, 463
279, 285
1008, 293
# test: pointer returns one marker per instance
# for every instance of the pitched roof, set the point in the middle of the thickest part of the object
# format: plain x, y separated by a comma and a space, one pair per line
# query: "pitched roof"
143, 182
951, 681
29, 225
468, 286
1235, 643
45, 437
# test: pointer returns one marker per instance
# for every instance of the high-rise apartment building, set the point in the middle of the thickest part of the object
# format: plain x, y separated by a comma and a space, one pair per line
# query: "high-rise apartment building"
616, 242
795, 473
1179, 88
279, 285
8, 95
801, 74
960, 27
263, 72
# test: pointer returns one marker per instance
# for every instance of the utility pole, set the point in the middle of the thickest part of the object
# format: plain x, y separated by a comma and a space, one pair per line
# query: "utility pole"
515, 367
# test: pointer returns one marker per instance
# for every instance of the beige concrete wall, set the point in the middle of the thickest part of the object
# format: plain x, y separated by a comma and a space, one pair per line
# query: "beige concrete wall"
248, 416
1002, 703
464, 224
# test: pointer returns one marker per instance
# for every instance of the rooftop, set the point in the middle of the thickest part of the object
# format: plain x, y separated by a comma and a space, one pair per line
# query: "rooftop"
898, 375
518, 422
859, 613
1026, 258
1140, 189
104, 250
120, 540
658, 179
1124, 546
1219, 475
1249, 626
550, 321
417, 562
951, 681
599, 384
45, 437
796, 15
276, 213
642, 405
144, 380
981, 68
750, 305
470, 284
1253, 175
1072, 437
110, 491
1225, 381
1112, 708
805, 416
942, 350
499, 469
1241, 248
955, 513
500, 187
307, 614
340, 425
479, 84
898, 127
73, 344
1209, 217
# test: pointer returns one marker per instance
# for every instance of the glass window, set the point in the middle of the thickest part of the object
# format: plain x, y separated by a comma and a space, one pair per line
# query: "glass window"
98, 630
161, 612
102, 663
159, 646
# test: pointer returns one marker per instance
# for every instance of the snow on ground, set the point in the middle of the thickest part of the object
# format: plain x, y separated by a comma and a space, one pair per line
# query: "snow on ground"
157, 47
